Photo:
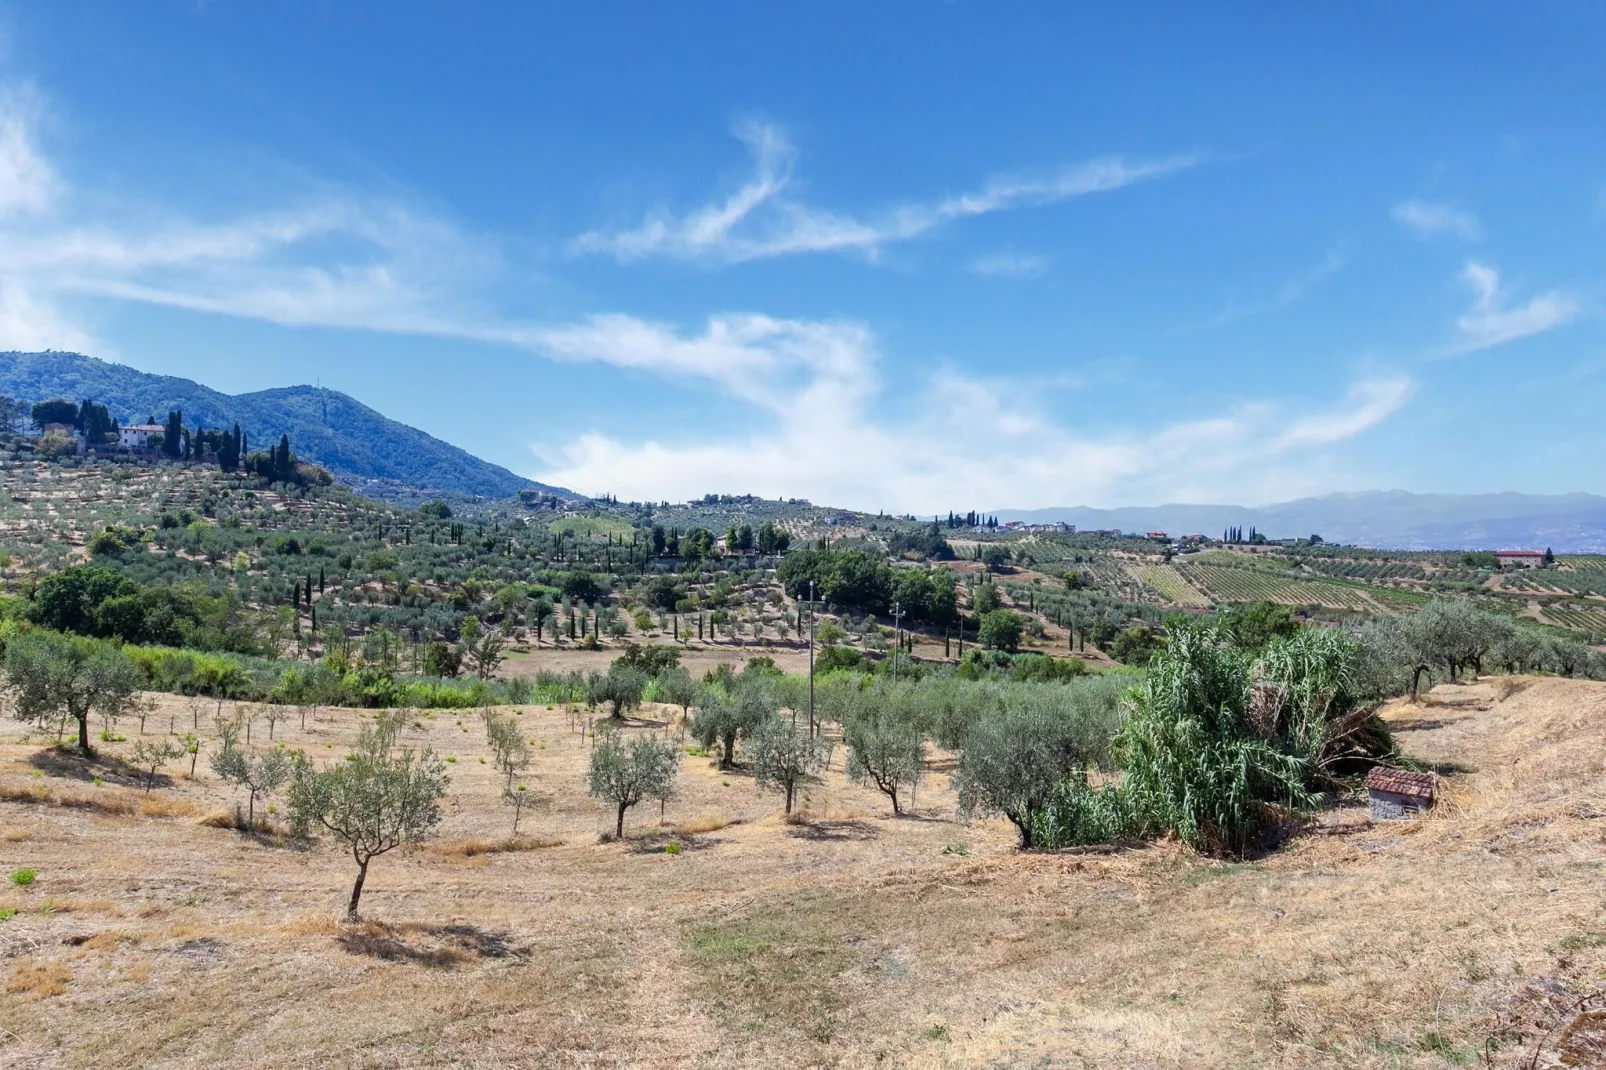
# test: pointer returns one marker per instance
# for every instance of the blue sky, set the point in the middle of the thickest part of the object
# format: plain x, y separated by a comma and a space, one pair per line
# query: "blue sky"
912, 256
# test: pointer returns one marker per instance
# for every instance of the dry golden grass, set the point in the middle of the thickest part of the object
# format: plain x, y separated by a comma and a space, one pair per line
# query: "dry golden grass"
33, 981
846, 937
217, 819
473, 848
704, 823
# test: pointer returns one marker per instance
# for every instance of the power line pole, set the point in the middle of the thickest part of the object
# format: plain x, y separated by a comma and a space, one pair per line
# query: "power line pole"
897, 638
811, 659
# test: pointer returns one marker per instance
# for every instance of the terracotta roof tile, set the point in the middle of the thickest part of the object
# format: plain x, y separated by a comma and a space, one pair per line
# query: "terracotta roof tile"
1401, 782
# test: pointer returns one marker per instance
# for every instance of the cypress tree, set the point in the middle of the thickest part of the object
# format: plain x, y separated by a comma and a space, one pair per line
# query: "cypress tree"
173, 435
284, 466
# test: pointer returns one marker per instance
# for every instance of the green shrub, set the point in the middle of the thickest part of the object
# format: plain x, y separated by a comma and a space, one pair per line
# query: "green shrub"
23, 877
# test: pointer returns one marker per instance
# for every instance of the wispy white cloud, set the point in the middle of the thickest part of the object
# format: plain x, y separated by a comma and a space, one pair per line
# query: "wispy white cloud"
335, 259
28, 323
27, 181
1011, 265
1432, 220
761, 220
1288, 293
1491, 322
1369, 403
826, 437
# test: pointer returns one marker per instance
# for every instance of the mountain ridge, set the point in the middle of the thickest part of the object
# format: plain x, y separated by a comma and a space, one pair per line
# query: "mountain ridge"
358, 444
1385, 519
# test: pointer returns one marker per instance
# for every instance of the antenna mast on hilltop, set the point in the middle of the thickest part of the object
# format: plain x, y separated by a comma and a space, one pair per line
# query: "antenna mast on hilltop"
323, 399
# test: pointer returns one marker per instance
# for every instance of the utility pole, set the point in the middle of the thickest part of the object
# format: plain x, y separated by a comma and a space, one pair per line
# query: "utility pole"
811, 659
897, 638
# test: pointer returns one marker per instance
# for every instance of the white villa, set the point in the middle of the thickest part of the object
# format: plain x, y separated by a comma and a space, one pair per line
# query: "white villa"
136, 436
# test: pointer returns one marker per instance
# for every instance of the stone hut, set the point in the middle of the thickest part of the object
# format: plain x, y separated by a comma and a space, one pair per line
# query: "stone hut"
1397, 793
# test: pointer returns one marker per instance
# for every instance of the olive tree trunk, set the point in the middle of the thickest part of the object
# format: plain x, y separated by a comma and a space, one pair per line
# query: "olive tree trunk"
356, 889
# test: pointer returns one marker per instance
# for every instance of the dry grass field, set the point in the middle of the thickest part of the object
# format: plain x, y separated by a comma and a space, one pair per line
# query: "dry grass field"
849, 938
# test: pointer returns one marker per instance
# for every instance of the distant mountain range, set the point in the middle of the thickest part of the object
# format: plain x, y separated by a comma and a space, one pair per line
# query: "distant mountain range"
1388, 520
356, 444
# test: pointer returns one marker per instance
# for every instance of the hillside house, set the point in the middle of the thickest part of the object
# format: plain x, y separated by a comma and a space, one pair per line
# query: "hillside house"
1397, 793
138, 436
1519, 558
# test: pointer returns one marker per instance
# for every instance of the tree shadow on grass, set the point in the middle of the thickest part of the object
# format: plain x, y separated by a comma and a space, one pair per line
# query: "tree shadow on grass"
656, 842
634, 722
66, 762
437, 947
831, 831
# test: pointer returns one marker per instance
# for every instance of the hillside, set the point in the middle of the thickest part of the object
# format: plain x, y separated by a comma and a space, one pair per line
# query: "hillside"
847, 937
353, 441
1385, 520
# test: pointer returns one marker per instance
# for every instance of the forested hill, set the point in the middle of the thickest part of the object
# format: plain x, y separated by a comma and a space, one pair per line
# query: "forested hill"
345, 436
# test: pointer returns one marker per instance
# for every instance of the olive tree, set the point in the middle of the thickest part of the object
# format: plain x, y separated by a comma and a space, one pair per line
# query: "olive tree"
1012, 764
260, 774
784, 757
151, 754
380, 797
624, 774
676, 687
509, 749
60, 678
516, 797
1456, 634
721, 717
886, 751
621, 687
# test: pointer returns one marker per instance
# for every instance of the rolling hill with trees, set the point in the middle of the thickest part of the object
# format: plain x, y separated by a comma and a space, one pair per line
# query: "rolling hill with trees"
355, 443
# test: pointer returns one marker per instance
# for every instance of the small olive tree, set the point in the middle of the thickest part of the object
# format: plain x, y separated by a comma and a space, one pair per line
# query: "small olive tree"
380, 797
509, 749
676, 687
517, 798
785, 758
260, 774
56, 678
151, 754
885, 751
624, 774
